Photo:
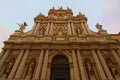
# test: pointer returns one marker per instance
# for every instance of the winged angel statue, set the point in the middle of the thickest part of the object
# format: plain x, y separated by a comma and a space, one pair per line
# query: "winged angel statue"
22, 26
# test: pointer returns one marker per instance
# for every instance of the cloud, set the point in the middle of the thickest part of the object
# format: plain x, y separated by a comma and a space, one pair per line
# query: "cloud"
110, 17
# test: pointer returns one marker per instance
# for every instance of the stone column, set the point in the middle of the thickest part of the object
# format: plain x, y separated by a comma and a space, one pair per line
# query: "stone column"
73, 29
14, 69
117, 58
4, 58
3, 51
22, 65
39, 65
75, 66
44, 67
118, 52
47, 29
99, 66
84, 29
71, 72
37, 26
51, 29
69, 28
82, 71
106, 69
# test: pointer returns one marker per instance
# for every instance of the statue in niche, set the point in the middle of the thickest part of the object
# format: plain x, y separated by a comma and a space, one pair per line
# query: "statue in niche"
79, 30
90, 70
8, 67
22, 26
30, 69
42, 30
113, 68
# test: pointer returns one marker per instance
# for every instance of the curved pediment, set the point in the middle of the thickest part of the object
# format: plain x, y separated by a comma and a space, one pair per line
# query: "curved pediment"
60, 26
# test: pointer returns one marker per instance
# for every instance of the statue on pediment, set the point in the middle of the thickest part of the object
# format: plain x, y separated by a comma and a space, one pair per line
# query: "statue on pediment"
22, 26
60, 8
99, 27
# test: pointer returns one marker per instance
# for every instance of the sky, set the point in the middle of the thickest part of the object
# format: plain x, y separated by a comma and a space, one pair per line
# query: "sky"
105, 12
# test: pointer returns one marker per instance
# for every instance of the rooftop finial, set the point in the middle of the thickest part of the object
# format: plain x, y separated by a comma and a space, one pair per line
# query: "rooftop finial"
53, 7
99, 26
68, 8
60, 8
22, 26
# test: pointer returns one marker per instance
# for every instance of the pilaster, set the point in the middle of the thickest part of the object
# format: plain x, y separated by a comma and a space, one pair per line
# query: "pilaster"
14, 69
51, 29
86, 26
22, 65
48, 72
73, 30
47, 30
84, 29
106, 69
34, 27
71, 72
98, 65
38, 70
82, 71
4, 58
75, 66
69, 29
37, 26
117, 58
44, 67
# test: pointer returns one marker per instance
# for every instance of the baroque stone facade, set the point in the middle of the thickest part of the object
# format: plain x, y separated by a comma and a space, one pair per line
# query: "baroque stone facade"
60, 46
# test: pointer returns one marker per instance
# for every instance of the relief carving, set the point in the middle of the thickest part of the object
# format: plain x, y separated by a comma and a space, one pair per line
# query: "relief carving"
60, 29
42, 29
8, 68
30, 69
90, 70
78, 29
113, 68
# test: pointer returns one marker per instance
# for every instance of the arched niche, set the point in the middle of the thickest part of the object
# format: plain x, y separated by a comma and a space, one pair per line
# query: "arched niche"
60, 69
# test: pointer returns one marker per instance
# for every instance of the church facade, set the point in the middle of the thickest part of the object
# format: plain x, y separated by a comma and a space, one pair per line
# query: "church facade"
60, 46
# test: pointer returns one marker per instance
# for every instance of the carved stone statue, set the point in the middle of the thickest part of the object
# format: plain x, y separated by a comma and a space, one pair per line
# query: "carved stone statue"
22, 26
30, 68
99, 27
8, 68
90, 70
113, 68
79, 30
42, 31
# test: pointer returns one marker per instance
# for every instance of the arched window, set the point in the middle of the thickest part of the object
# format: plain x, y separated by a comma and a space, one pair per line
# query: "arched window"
60, 68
